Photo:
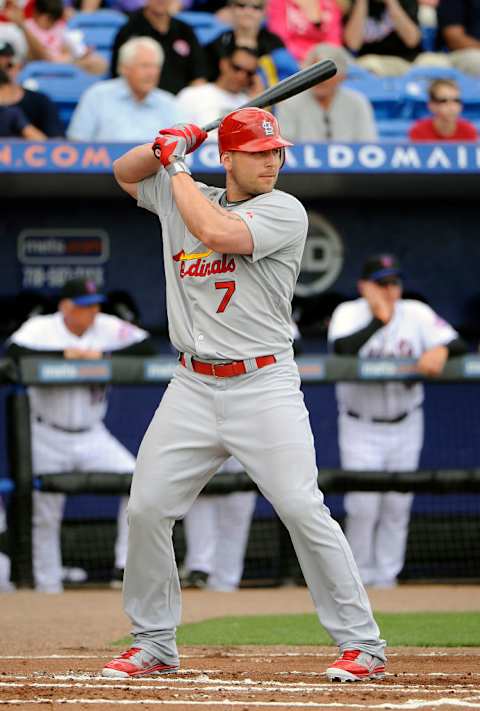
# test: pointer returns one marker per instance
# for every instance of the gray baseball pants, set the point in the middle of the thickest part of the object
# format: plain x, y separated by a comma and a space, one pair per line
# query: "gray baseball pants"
261, 419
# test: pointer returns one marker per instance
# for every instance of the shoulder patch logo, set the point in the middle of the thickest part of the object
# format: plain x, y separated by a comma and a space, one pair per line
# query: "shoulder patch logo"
268, 128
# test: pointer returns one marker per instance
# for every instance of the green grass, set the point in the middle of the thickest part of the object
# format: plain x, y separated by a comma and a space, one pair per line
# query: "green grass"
419, 629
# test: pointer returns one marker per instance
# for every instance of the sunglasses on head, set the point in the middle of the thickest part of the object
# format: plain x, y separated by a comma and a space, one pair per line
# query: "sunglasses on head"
252, 6
238, 68
442, 100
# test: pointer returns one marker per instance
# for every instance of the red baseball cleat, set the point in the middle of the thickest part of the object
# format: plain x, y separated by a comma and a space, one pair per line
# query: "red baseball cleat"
355, 665
136, 662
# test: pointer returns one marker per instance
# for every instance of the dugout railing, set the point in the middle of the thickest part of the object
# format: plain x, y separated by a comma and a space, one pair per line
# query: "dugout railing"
314, 369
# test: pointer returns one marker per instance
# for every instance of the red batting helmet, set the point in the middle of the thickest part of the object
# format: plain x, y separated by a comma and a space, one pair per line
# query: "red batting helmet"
250, 130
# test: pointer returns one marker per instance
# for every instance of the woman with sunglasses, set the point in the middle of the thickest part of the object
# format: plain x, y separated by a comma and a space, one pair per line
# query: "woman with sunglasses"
445, 124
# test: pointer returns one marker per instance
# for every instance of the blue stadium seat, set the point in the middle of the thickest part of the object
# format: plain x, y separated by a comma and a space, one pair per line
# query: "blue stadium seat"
383, 92
99, 28
277, 65
205, 25
393, 129
63, 83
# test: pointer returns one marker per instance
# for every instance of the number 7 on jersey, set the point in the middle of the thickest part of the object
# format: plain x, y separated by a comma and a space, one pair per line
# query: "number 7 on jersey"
229, 287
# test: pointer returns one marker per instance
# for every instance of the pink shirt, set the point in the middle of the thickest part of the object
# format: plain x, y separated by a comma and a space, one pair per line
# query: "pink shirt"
287, 19
52, 39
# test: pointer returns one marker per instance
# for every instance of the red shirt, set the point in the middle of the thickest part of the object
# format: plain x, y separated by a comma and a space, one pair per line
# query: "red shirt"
424, 130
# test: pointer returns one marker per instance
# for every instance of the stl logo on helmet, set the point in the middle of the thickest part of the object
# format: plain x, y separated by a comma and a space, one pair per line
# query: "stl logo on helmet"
268, 128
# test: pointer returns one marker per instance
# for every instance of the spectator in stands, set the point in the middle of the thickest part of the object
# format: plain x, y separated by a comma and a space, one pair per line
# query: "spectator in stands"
13, 122
302, 24
38, 109
48, 25
328, 111
459, 27
184, 57
237, 82
445, 104
67, 423
384, 34
380, 425
247, 31
14, 30
130, 107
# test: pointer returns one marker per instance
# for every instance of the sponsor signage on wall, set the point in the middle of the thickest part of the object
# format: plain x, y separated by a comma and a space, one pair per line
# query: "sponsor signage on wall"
50, 257
391, 157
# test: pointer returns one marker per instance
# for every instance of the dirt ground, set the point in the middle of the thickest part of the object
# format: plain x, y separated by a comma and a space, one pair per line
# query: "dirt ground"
54, 646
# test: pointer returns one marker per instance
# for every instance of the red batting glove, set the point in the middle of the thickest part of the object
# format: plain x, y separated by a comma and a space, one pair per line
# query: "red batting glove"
193, 135
171, 152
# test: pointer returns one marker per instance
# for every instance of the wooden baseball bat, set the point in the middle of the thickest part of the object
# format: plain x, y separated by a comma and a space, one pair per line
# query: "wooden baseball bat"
295, 84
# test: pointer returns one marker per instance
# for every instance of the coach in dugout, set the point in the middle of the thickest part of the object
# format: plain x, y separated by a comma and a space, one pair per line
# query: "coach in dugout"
380, 425
67, 422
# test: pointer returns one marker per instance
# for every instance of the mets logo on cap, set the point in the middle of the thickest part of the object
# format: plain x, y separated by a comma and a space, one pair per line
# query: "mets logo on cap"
268, 127
386, 261
90, 287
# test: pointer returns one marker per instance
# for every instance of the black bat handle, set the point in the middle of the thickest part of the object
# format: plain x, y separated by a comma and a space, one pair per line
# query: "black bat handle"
294, 84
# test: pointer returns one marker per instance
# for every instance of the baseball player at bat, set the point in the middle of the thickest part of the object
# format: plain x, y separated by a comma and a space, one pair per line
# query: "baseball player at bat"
380, 425
67, 422
232, 257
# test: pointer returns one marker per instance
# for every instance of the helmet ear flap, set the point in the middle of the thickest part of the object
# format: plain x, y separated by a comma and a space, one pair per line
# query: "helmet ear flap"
282, 157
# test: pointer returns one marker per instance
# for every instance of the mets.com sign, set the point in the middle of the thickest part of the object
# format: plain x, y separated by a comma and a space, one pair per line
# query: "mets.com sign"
434, 158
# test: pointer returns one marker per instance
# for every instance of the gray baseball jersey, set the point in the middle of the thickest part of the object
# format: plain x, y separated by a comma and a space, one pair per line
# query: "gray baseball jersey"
246, 310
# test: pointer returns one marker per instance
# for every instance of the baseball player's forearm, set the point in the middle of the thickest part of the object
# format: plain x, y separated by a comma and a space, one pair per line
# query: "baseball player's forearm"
139, 163
350, 345
218, 229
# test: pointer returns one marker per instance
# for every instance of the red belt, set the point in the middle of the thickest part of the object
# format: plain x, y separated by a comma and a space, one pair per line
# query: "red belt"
227, 370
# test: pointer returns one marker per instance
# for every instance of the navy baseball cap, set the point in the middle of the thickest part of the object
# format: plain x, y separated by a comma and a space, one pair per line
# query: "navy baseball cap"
381, 266
83, 292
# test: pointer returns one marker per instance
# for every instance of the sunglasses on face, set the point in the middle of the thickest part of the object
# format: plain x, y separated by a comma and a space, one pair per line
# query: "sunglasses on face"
442, 100
389, 281
238, 68
252, 6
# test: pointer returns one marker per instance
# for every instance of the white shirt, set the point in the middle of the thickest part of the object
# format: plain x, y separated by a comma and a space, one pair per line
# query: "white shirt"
80, 406
413, 329
205, 103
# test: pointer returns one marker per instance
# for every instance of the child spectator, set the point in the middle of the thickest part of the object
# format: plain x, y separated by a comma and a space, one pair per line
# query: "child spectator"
48, 25
445, 104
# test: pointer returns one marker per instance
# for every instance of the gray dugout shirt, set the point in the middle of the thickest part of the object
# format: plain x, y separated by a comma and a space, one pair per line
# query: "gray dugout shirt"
230, 306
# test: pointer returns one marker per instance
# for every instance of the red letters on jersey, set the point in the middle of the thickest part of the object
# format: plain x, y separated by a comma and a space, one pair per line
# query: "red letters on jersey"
202, 267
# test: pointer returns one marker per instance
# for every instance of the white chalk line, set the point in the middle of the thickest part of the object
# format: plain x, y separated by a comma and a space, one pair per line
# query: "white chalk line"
248, 688
208, 683
410, 704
